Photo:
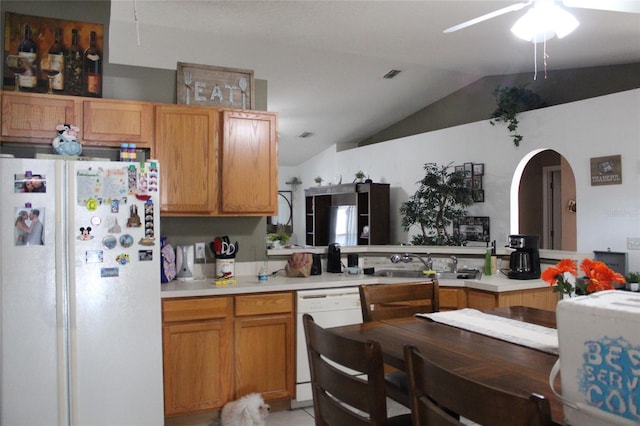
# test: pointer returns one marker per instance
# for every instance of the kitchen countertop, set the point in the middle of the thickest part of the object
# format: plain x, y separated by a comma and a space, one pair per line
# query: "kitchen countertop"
548, 255
250, 284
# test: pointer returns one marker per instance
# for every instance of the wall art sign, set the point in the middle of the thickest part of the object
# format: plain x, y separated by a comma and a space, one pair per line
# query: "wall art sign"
473, 228
606, 170
42, 34
212, 86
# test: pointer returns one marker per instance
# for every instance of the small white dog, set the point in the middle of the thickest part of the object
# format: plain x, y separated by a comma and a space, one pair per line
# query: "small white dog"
250, 410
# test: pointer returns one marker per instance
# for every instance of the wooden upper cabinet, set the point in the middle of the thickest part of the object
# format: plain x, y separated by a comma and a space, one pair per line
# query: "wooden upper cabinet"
111, 122
28, 117
249, 163
186, 145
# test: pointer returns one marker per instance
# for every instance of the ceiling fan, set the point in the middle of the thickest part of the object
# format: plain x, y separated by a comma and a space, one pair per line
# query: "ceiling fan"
547, 18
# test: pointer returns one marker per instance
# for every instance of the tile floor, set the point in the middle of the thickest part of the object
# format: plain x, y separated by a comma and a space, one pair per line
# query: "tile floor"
297, 417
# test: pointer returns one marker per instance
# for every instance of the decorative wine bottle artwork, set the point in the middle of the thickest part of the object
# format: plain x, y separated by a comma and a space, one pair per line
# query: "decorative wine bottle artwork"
56, 62
28, 50
93, 69
73, 67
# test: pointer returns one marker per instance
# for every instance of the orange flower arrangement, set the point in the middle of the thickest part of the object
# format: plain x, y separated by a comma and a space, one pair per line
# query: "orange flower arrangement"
597, 277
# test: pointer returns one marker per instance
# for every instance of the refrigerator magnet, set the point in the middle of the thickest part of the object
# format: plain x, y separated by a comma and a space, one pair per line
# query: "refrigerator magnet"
109, 272
85, 234
145, 255
126, 240
109, 242
92, 204
123, 258
94, 256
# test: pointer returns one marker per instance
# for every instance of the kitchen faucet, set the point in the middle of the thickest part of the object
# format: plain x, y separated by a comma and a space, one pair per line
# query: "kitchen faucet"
408, 257
454, 264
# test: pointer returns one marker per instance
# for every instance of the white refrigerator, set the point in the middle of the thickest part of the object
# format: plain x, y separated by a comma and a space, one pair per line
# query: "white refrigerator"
80, 293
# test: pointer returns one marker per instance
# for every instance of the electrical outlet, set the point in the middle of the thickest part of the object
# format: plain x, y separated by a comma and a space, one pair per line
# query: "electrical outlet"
200, 253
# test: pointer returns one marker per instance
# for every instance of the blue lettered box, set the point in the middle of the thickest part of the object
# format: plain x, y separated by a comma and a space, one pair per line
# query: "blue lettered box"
599, 342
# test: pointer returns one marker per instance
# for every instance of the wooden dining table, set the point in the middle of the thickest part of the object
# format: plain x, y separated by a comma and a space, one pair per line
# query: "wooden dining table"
485, 359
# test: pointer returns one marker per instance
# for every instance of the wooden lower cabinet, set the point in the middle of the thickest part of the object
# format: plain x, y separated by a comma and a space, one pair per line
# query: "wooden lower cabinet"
542, 298
217, 349
452, 298
264, 345
197, 340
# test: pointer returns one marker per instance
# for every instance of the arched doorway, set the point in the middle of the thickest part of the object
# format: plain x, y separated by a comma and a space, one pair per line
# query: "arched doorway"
543, 194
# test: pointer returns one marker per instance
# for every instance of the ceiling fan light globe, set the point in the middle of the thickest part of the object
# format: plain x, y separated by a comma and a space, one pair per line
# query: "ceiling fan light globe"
543, 23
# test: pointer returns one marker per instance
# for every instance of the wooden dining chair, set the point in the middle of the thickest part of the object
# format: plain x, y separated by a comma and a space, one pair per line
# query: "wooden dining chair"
437, 392
386, 301
354, 397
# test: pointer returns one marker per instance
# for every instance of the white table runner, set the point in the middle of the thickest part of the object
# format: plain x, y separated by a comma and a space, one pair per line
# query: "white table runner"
522, 333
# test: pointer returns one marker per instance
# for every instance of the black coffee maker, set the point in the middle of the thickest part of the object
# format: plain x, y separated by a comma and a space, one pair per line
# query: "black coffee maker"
334, 263
524, 263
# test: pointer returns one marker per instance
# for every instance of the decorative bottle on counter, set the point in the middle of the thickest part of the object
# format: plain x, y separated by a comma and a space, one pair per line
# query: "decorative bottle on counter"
56, 61
73, 66
29, 49
93, 69
487, 263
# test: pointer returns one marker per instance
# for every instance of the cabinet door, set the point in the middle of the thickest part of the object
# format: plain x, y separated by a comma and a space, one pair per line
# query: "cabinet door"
196, 365
452, 298
28, 117
264, 356
186, 145
109, 122
249, 163
481, 300
264, 345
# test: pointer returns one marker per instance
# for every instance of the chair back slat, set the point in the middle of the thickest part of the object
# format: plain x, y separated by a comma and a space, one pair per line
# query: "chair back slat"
437, 392
385, 301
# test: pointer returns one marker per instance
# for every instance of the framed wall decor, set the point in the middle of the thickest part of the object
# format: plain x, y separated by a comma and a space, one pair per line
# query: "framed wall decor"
213, 86
473, 228
477, 182
42, 33
606, 170
468, 170
478, 195
478, 169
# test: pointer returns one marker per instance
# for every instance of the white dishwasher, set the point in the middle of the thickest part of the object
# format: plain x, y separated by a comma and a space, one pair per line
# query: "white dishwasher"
330, 307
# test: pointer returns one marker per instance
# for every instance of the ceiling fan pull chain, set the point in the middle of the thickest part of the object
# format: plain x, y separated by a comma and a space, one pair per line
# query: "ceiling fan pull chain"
535, 61
544, 58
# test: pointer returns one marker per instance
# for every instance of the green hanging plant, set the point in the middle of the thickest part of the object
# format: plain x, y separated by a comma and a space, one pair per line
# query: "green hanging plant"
511, 101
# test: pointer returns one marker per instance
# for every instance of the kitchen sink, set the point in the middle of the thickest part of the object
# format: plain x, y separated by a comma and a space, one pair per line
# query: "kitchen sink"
462, 274
400, 273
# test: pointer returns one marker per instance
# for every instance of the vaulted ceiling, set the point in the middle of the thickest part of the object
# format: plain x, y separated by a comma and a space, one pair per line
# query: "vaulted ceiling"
325, 60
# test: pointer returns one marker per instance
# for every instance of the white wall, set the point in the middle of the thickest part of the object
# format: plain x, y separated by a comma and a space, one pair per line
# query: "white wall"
607, 125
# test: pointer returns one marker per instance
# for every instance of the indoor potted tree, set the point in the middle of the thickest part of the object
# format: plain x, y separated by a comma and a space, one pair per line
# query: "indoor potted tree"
438, 203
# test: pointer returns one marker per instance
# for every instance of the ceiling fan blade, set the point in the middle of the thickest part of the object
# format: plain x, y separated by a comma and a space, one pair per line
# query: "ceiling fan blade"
629, 6
490, 15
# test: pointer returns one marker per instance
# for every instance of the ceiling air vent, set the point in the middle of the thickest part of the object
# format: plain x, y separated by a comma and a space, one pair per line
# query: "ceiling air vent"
391, 74
305, 135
